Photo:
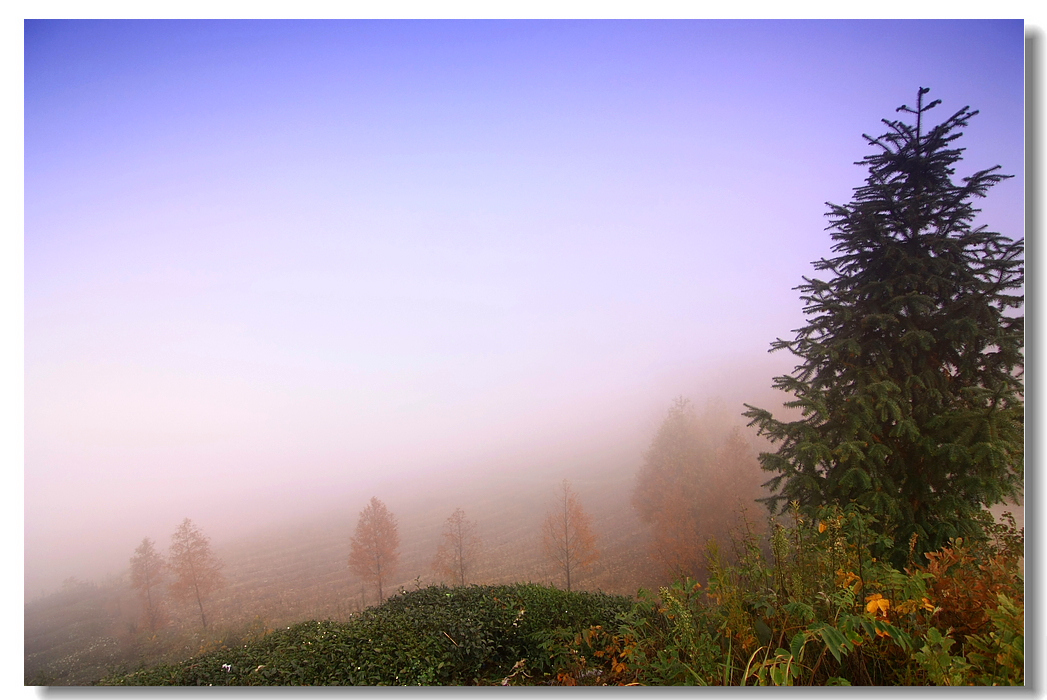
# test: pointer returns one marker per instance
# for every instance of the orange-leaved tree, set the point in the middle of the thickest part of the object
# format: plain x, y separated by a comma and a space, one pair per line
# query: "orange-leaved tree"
457, 553
196, 568
374, 554
147, 572
697, 475
568, 536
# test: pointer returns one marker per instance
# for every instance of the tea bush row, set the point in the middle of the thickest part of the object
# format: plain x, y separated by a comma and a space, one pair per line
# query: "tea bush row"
432, 636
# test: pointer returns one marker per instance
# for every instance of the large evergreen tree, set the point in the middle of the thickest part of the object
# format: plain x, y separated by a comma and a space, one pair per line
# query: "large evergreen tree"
910, 381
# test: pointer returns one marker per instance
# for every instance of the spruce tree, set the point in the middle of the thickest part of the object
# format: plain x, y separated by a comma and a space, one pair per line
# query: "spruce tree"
910, 383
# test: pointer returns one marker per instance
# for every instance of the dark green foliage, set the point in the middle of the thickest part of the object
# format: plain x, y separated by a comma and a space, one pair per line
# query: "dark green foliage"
433, 636
911, 376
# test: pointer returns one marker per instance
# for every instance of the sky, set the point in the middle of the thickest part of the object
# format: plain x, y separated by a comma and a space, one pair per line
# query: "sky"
269, 264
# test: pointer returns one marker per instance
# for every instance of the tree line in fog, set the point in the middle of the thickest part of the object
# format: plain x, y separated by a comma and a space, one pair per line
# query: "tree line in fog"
697, 475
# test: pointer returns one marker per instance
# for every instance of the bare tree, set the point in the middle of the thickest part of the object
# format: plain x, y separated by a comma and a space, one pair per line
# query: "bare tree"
567, 535
147, 571
197, 570
374, 554
456, 555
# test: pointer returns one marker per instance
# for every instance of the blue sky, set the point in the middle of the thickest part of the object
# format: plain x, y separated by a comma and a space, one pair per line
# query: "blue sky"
287, 256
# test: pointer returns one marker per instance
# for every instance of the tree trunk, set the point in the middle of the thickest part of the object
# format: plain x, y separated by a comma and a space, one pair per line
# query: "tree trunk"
200, 604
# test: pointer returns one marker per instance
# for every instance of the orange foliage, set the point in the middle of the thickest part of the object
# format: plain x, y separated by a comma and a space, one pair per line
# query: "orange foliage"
966, 584
374, 548
197, 570
567, 535
697, 475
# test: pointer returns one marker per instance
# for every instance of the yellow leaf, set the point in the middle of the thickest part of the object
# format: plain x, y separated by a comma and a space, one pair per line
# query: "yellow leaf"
877, 603
821, 527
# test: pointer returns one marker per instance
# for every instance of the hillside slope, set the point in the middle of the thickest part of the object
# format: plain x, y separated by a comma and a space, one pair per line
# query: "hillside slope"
476, 635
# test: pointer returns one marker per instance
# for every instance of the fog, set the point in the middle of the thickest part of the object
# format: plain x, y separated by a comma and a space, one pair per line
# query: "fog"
274, 269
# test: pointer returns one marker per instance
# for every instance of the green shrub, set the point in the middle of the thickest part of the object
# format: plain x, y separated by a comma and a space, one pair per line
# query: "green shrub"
432, 636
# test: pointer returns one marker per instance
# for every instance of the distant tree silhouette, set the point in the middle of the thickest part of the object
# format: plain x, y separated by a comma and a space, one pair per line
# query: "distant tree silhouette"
196, 569
697, 474
456, 554
374, 548
147, 572
567, 535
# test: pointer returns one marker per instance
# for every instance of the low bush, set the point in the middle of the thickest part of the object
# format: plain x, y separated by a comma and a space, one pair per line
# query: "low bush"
433, 636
